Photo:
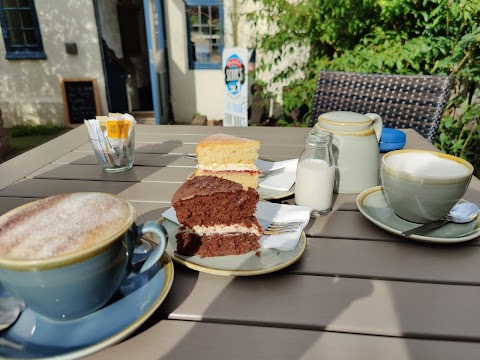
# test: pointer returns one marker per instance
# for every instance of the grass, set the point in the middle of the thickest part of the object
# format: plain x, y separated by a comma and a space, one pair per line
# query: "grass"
35, 130
25, 143
26, 137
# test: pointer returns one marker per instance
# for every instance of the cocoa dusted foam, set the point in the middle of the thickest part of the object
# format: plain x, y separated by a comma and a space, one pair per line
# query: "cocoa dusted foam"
62, 224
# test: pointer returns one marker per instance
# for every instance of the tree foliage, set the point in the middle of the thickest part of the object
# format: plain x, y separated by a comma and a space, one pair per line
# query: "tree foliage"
438, 37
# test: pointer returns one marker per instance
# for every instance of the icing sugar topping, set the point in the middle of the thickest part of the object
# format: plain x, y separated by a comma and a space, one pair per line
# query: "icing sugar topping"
228, 167
62, 224
221, 138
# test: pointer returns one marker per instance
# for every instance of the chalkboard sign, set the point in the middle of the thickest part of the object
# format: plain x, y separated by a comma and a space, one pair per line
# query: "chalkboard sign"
80, 100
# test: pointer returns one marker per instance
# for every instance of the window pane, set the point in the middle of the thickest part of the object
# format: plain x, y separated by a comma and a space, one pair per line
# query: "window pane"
9, 3
216, 56
205, 33
193, 14
16, 37
13, 20
215, 13
26, 17
24, 3
30, 37
205, 16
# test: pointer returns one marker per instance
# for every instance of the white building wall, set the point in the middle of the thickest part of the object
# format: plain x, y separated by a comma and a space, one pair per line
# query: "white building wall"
197, 91
192, 91
202, 91
30, 90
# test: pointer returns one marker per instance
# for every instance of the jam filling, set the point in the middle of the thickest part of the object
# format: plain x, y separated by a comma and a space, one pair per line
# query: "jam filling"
250, 172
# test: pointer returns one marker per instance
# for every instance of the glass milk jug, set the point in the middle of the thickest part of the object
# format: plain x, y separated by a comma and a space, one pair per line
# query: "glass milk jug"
355, 148
316, 173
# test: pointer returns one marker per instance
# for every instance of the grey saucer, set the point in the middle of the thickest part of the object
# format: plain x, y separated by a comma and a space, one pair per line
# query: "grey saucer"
262, 261
372, 203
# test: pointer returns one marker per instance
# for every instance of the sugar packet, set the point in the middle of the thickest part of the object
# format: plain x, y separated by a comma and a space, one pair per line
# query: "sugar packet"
113, 138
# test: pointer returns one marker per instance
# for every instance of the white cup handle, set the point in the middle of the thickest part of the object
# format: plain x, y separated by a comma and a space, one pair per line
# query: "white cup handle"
377, 124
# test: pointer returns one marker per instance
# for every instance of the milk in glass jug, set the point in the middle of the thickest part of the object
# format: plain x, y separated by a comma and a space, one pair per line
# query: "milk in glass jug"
316, 173
355, 148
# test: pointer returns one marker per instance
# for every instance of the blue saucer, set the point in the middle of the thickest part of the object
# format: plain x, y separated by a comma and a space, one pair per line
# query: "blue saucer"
35, 336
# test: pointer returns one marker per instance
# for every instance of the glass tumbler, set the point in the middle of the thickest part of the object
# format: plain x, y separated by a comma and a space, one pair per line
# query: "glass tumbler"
117, 157
316, 173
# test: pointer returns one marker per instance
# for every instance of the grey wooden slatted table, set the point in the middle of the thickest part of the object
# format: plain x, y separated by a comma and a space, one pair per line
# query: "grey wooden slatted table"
358, 292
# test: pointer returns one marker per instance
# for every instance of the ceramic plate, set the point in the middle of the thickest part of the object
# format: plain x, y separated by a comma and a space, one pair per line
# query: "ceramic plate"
34, 336
372, 203
261, 261
267, 194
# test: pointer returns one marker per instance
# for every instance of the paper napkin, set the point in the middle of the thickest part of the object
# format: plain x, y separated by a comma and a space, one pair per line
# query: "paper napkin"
171, 215
266, 214
282, 181
271, 212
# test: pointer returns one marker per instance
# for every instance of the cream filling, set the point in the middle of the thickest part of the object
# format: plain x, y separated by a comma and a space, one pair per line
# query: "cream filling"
223, 229
228, 167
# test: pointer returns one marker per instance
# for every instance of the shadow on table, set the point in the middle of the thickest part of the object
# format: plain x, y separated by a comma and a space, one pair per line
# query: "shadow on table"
166, 147
84, 174
259, 302
288, 326
287, 316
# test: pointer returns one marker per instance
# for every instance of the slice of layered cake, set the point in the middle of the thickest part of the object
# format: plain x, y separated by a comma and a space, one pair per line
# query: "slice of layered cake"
216, 217
229, 157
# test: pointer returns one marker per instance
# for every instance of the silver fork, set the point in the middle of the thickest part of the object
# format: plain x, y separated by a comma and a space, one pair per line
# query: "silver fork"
276, 228
267, 173
264, 173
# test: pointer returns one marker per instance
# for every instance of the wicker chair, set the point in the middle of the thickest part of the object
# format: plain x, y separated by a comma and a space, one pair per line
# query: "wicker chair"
403, 101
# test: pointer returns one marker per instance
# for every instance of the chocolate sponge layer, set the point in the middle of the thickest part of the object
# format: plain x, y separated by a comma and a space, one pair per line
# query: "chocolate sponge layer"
215, 245
209, 200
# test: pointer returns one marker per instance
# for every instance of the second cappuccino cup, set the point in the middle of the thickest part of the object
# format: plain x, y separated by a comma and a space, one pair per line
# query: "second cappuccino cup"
422, 186
66, 255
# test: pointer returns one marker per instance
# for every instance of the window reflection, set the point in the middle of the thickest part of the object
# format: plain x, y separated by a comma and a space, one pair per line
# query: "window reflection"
205, 33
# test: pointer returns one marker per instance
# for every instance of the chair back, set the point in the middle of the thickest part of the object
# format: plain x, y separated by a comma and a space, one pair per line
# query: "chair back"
403, 101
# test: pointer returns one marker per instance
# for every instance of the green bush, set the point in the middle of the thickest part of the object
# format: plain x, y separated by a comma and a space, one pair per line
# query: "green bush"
438, 37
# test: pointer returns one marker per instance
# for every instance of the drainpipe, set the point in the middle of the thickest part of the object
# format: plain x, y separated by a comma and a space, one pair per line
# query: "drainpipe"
235, 23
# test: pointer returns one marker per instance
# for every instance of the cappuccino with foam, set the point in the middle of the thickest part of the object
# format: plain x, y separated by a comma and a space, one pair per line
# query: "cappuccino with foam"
66, 255
62, 224
427, 164
422, 186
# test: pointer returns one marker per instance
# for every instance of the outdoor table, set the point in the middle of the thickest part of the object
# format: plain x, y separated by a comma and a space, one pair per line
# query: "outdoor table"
358, 292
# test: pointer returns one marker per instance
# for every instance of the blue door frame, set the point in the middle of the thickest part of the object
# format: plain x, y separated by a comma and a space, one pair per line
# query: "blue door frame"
157, 59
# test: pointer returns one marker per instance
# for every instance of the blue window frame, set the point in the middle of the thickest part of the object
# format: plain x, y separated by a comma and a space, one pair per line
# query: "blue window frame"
21, 31
204, 33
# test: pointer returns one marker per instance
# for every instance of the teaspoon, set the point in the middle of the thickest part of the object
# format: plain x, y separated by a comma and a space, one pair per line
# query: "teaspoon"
461, 213
10, 309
